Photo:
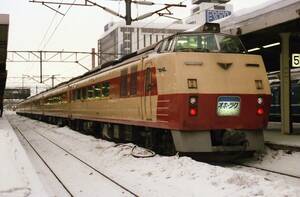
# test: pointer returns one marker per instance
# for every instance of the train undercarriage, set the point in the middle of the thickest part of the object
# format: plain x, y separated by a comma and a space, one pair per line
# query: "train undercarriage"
214, 145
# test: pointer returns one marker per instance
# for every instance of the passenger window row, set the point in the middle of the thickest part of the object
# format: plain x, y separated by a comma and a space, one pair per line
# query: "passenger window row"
57, 99
99, 90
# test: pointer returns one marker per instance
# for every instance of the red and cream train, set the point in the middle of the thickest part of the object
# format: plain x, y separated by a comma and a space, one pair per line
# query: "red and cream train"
191, 92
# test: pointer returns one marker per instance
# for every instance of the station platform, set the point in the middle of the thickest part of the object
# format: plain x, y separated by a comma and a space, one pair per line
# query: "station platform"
18, 177
275, 139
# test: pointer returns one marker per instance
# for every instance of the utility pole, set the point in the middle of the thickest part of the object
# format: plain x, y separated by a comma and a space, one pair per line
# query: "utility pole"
93, 58
128, 3
128, 18
41, 67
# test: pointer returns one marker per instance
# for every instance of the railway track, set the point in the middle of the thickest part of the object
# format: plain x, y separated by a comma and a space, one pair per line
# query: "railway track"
124, 191
266, 170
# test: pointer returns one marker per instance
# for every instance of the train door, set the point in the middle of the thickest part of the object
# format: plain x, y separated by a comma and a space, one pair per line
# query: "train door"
147, 91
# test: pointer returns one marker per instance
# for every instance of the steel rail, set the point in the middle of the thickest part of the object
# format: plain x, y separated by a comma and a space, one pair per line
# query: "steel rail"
82, 161
41, 158
263, 169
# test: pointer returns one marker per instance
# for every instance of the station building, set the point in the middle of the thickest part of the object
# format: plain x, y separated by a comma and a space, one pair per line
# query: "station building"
119, 39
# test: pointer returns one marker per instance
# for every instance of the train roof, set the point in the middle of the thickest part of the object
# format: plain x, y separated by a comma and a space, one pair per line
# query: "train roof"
119, 62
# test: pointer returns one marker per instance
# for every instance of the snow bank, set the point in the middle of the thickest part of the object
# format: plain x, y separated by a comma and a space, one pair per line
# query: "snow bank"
17, 176
160, 176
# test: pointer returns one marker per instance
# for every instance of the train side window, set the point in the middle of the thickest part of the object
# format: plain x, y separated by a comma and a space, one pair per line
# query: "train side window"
78, 94
83, 91
90, 92
133, 80
123, 85
105, 89
97, 91
74, 95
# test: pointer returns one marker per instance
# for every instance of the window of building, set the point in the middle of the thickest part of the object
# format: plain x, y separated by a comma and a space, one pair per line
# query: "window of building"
133, 80
150, 39
144, 40
123, 85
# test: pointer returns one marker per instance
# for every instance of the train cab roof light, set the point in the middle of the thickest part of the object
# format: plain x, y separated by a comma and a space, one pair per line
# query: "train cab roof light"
260, 111
210, 28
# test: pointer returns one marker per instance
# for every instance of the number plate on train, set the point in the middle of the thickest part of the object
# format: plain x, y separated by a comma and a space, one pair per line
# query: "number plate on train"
228, 106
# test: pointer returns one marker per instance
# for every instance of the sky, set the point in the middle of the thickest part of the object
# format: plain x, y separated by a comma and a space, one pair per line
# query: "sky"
32, 27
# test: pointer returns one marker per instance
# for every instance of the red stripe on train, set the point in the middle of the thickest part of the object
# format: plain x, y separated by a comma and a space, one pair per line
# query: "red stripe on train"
173, 109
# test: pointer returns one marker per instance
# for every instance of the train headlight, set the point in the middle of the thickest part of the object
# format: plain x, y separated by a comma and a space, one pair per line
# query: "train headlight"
193, 105
260, 100
193, 100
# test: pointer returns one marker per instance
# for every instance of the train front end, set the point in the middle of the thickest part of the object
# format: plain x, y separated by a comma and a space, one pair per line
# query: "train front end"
219, 99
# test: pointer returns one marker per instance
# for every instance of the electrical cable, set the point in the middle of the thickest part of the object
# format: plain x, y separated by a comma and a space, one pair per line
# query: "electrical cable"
58, 25
152, 21
50, 25
136, 155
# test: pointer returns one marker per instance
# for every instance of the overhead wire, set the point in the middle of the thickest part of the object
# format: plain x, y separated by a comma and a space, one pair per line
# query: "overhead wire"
114, 45
58, 25
50, 25
152, 21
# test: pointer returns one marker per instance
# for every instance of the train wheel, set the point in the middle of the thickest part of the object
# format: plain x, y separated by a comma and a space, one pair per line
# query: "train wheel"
167, 146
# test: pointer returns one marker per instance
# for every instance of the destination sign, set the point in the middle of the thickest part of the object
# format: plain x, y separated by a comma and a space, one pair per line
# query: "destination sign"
212, 15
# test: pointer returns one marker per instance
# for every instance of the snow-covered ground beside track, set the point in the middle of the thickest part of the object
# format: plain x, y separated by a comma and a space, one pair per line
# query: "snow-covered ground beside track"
17, 175
159, 175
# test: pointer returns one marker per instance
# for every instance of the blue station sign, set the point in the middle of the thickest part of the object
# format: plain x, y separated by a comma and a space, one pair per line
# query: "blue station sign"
212, 15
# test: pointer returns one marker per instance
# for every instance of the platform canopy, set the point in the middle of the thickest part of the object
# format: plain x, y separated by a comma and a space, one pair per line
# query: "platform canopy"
260, 28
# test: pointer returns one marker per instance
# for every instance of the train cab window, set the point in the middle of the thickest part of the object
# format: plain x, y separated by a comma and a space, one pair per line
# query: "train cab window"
105, 89
230, 44
196, 43
123, 85
133, 80
90, 92
166, 46
97, 91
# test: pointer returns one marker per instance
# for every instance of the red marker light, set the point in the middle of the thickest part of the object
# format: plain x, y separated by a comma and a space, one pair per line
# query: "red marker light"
193, 111
260, 111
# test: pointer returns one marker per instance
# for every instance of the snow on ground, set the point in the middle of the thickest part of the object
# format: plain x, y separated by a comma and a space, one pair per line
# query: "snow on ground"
159, 175
279, 161
17, 175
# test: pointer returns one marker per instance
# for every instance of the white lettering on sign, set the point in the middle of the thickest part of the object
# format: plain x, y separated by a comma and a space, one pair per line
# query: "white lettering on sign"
212, 15
295, 60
